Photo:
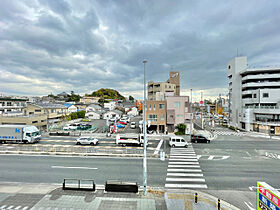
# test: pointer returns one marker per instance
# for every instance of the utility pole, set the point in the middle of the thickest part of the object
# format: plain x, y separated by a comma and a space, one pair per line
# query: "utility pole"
201, 99
145, 138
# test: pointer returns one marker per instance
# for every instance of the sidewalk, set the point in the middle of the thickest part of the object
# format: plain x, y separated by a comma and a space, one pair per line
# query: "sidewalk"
50, 196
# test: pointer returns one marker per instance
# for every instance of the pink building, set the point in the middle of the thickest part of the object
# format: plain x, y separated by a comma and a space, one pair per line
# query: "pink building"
178, 111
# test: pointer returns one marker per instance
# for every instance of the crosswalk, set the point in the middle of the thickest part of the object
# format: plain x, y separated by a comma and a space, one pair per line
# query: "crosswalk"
183, 170
229, 133
11, 207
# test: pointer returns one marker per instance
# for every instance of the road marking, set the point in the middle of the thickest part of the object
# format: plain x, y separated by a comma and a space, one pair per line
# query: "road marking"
183, 170
18, 207
74, 167
26, 207
193, 156
2, 207
184, 163
251, 208
203, 186
189, 160
184, 174
10, 207
185, 180
211, 157
158, 147
183, 166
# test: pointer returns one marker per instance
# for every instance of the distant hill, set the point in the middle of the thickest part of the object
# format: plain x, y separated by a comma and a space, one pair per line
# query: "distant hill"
107, 93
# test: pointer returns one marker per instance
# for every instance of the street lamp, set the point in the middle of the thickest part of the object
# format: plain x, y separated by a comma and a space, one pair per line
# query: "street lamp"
145, 139
191, 118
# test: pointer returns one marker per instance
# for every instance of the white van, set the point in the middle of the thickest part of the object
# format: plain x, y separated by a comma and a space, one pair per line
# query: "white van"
177, 141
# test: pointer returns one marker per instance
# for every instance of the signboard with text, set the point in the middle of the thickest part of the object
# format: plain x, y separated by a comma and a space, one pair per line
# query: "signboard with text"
267, 197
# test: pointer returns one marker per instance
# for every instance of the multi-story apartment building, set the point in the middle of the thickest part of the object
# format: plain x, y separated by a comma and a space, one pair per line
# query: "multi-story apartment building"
156, 115
178, 111
158, 90
174, 78
8, 104
254, 97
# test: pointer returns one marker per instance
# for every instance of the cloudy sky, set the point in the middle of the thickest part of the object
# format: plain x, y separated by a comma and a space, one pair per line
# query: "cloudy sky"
50, 46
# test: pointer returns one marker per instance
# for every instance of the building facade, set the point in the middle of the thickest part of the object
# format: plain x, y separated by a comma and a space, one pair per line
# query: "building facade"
8, 104
156, 115
158, 90
254, 97
174, 78
178, 109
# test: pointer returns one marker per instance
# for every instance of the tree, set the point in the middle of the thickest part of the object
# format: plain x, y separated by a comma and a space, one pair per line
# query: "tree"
81, 114
181, 129
74, 97
131, 98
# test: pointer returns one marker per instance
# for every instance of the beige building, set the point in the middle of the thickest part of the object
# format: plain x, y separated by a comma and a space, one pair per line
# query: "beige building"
89, 100
156, 115
174, 78
158, 90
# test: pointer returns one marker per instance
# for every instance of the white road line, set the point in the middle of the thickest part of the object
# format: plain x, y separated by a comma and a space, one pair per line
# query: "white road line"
74, 167
2, 207
10, 207
175, 153
191, 157
183, 163
158, 147
184, 174
184, 180
249, 207
183, 166
177, 159
211, 157
18, 207
183, 170
26, 207
201, 186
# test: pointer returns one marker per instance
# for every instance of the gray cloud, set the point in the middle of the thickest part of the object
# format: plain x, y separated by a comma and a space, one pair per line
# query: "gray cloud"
54, 46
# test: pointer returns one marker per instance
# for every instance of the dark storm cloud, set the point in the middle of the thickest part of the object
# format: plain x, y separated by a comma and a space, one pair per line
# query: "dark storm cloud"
54, 46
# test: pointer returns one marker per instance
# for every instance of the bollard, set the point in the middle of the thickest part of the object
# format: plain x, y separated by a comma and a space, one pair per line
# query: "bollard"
195, 198
219, 204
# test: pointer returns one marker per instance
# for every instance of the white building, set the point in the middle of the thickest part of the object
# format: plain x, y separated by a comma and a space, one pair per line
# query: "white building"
133, 111
93, 115
112, 115
93, 107
254, 97
110, 105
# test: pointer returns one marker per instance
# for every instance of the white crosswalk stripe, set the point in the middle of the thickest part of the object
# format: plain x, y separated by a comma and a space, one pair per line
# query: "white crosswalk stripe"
229, 133
183, 170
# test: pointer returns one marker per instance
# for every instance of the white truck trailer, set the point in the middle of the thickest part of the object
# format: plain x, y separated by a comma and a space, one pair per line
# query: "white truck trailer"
130, 140
19, 134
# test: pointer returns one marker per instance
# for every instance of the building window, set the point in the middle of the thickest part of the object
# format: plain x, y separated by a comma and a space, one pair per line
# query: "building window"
229, 67
37, 110
152, 117
265, 95
162, 117
255, 95
161, 106
176, 104
179, 115
9, 103
154, 107
150, 107
34, 121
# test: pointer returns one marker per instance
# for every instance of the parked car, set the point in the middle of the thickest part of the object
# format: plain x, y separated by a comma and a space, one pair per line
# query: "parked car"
177, 141
87, 140
120, 125
125, 119
133, 125
122, 122
72, 126
202, 136
84, 126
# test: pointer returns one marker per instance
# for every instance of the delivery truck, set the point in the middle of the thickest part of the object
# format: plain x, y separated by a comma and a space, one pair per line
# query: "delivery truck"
130, 140
19, 134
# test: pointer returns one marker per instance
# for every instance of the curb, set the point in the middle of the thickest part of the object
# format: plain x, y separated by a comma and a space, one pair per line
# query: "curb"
78, 154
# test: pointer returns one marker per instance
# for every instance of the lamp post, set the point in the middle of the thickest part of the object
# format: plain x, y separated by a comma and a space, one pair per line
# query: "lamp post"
191, 118
144, 132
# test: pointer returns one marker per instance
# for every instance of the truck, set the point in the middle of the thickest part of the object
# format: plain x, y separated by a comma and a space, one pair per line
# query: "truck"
19, 134
130, 140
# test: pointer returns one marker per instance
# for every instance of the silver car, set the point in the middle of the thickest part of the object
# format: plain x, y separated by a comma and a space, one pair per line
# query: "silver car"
87, 140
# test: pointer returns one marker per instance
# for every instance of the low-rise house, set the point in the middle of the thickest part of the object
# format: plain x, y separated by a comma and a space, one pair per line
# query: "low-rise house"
94, 115
112, 114
71, 108
110, 105
89, 99
93, 107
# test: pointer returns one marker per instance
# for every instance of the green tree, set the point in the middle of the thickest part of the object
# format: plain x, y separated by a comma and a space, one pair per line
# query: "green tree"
81, 114
131, 98
181, 129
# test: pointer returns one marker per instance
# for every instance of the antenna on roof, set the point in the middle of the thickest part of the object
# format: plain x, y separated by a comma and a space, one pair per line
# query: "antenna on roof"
237, 52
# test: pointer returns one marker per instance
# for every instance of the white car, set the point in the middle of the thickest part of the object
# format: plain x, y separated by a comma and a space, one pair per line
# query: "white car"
177, 141
133, 125
73, 126
87, 140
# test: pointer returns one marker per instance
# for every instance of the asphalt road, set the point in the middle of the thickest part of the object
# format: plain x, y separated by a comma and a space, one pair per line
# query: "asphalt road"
232, 164
49, 169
